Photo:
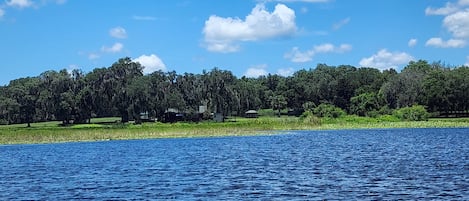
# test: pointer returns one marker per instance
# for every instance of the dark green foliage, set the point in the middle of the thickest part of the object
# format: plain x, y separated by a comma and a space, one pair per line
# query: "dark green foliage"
366, 104
414, 113
122, 90
328, 111
309, 118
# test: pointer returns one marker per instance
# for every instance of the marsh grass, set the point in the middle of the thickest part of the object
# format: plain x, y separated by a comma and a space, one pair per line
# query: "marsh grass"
104, 129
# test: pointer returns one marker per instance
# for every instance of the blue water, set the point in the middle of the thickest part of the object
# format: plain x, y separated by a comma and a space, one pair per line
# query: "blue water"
408, 164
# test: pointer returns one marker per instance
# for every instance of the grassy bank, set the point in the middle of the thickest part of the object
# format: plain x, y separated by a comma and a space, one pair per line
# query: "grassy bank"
107, 129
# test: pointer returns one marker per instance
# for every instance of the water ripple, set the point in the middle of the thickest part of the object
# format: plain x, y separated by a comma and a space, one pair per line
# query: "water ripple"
408, 164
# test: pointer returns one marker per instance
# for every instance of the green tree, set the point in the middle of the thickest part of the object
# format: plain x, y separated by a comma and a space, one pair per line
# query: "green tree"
123, 72
328, 111
366, 104
278, 103
25, 92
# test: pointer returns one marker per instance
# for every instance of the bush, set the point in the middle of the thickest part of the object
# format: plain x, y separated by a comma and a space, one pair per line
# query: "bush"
3, 122
328, 111
414, 113
309, 118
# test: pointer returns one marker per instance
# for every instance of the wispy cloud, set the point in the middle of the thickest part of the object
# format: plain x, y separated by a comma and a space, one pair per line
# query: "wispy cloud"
340, 24
117, 47
144, 18
298, 56
118, 32
285, 72
20, 3
93, 56
256, 71
412, 42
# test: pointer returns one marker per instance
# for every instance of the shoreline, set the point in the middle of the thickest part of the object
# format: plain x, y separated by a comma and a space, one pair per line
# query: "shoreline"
94, 133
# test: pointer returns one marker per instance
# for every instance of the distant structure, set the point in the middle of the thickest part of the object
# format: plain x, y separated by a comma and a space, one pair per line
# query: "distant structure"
251, 114
172, 115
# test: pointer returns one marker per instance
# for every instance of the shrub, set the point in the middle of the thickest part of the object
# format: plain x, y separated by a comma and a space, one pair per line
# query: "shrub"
309, 118
328, 110
414, 113
3, 122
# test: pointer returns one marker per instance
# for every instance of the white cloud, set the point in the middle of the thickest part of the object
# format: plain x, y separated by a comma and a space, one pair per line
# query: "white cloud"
151, 63
463, 2
2, 12
340, 24
117, 47
118, 32
449, 8
297, 56
256, 71
285, 72
412, 42
458, 24
451, 43
385, 60
224, 34
467, 61
20, 3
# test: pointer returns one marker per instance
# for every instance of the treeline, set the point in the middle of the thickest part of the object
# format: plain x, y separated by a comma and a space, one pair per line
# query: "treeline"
123, 90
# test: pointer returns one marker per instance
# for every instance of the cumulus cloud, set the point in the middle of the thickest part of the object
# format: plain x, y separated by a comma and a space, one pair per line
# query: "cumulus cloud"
151, 63
19, 3
298, 56
256, 71
117, 47
412, 42
285, 72
458, 24
384, 59
451, 43
467, 61
223, 34
118, 32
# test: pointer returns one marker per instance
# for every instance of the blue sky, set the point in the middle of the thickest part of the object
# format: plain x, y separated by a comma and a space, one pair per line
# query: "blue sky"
247, 37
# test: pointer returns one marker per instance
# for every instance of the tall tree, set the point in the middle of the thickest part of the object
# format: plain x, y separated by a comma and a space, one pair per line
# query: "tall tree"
25, 92
123, 72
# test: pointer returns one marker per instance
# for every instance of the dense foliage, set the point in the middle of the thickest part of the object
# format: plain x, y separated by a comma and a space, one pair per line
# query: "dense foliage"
123, 90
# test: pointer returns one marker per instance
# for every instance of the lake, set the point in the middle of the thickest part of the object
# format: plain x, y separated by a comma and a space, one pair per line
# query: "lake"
385, 164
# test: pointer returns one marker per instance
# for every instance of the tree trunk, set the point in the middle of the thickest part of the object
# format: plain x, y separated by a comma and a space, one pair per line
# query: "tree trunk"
125, 118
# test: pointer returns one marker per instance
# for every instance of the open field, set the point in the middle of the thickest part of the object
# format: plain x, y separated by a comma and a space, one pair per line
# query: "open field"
106, 128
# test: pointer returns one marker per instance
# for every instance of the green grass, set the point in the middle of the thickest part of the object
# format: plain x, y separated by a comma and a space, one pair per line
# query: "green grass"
108, 129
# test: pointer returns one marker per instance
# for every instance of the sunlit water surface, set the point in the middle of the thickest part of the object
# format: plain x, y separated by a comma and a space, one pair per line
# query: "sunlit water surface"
391, 164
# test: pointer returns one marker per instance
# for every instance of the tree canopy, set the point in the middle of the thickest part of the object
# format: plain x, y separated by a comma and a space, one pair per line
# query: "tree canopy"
123, 90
